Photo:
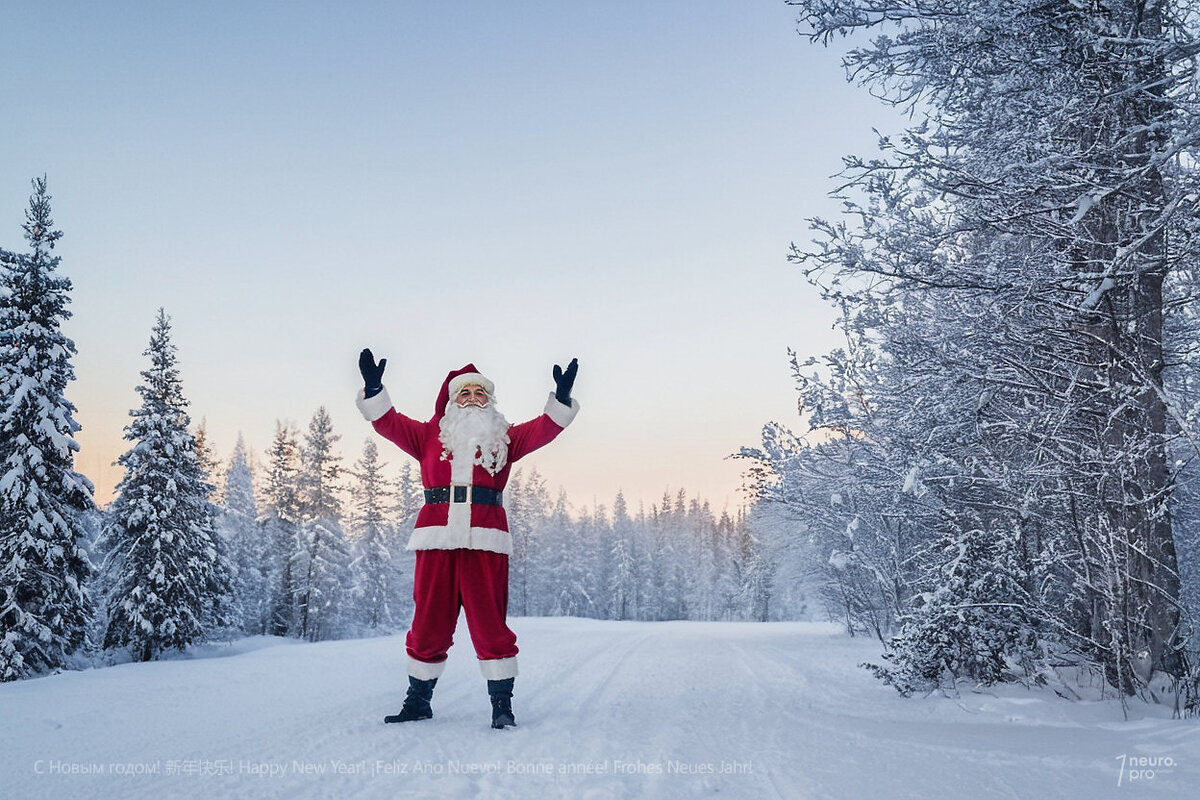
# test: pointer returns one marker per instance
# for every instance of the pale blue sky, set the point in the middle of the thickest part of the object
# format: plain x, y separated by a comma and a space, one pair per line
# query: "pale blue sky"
509, 183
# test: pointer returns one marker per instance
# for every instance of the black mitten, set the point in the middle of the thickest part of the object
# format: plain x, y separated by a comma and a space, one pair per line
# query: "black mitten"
564, 380
372, 373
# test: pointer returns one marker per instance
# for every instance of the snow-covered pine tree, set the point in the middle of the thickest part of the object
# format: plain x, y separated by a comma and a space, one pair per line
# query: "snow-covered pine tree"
527, 502
974, 622
321, 563
168, 576
752, 568
245, 541
409, 496
777, 573
665, 601
561, 571
208, 461
372, 568
623, 588
596, 531
644, 563
44, 568
280, 522
702, 572
591, 532
226, 611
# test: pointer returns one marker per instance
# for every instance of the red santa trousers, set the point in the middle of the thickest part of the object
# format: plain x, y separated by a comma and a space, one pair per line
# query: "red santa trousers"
475, 581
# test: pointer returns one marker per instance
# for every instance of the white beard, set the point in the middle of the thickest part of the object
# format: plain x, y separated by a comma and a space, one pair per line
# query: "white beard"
474, 434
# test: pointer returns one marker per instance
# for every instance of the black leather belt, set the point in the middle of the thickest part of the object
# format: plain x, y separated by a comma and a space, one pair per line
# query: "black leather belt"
464, 493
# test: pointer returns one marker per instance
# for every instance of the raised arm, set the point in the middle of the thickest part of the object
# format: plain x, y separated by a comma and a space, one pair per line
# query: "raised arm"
376, 407
559, 412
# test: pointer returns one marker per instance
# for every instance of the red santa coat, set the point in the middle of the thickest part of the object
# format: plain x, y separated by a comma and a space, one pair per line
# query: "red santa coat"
448, 526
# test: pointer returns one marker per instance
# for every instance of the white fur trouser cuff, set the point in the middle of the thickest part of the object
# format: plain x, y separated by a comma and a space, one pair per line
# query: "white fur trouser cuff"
424, 671
498, 669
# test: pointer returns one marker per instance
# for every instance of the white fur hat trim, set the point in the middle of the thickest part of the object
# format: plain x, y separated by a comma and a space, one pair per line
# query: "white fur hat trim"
471, 379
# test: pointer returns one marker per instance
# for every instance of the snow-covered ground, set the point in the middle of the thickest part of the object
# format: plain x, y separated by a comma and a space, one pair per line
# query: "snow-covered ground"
605, 709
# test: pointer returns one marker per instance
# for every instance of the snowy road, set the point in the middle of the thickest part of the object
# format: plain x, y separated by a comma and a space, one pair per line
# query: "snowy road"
605, 709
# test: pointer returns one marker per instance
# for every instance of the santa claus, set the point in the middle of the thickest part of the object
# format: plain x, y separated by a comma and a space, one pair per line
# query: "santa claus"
466, 450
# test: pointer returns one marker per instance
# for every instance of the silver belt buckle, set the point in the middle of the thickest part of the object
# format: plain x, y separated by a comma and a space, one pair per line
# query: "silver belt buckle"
460, 493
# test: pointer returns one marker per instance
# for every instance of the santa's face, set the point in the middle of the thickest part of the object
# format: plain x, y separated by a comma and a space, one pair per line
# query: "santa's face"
471, 395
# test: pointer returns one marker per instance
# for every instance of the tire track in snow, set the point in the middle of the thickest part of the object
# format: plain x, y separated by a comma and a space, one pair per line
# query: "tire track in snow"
596, 668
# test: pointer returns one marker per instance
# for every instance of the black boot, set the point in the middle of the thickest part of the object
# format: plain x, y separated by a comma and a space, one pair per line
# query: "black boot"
501, 694
416, 702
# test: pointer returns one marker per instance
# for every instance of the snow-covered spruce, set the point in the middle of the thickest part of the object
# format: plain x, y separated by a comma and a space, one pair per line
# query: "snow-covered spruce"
247, 543
169, 578
44, 568
320, 564
376, 573
279, 522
